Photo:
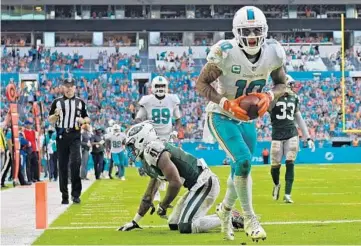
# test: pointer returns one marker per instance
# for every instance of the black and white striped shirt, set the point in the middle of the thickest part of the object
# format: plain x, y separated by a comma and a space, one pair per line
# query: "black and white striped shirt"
72, 109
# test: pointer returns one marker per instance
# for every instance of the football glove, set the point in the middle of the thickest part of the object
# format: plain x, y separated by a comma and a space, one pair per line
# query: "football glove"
174, 134
233, 107
263, 104
311, 144
129, 226
161, 211
142, 172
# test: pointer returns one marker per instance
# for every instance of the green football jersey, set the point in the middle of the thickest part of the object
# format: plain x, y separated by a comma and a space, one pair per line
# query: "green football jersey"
188, 166
282, 117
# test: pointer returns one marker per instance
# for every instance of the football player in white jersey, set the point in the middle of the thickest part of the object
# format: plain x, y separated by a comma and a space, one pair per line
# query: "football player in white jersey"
241, 66
160, 107
118, 157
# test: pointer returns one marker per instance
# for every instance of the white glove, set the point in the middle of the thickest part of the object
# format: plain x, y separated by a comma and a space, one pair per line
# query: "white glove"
129, 226
311, 145
102, 142
174, 134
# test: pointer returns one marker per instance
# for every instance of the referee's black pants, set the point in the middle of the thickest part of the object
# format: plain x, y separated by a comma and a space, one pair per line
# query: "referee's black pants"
68, 148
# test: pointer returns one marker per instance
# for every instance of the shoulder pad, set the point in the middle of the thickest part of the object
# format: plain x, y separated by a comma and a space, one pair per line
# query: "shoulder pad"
175, 99
144, 100
219, 51
153, 151
278, 51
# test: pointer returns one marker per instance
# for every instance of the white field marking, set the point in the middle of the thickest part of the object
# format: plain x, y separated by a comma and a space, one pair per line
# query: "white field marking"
322, 204
263, 223
333, 193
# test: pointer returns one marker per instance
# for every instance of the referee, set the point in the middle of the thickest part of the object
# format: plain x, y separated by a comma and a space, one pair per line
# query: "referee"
68, 113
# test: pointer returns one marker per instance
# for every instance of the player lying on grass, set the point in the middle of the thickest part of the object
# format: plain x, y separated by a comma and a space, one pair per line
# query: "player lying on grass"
284, 116
163, 161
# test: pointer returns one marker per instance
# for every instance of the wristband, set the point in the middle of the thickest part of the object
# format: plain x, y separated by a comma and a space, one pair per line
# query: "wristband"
221, 103
270, 93
137, 218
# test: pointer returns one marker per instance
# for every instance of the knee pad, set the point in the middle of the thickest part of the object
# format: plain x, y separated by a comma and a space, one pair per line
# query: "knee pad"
173, 227
185, 228
242, 167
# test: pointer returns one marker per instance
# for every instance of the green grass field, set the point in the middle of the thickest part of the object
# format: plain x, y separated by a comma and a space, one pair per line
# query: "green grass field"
327, 210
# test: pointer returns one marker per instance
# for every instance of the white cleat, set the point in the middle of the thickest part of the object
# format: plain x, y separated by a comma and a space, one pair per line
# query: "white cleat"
253, 228
226, 222
122, 178
287, 199
276, 192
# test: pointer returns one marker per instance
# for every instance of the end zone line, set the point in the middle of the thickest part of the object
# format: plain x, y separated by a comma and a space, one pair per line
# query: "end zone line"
166, 226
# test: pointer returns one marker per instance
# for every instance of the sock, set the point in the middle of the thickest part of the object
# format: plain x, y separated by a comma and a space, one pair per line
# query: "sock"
243, 186
289, 176
275, 172
231, 195
206, 223
122, 171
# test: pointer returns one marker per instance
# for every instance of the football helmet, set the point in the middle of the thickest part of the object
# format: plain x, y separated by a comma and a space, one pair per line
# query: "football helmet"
111, 122
116, 128
160, 86
250, 29
138, 136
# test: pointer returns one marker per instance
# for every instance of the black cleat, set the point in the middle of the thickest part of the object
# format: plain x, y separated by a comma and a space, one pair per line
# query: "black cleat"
65, 201
76, 200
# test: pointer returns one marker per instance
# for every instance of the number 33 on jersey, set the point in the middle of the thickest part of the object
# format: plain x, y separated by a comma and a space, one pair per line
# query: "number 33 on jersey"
239, 75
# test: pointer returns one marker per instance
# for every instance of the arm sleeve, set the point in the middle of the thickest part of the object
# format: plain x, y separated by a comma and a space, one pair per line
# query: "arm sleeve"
176, 111
53, 107
142, 113
301, 123
84, 112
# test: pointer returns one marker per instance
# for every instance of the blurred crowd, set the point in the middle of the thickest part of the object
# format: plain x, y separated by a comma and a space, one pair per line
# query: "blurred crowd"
115, 96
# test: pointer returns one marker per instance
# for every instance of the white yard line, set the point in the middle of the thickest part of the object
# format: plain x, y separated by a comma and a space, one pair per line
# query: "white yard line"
89, 226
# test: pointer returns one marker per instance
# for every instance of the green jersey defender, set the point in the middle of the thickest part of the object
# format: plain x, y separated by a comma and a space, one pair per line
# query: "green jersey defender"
284, 116
165, 162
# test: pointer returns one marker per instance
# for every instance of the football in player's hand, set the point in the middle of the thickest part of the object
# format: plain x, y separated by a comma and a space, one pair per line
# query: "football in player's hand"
249, 104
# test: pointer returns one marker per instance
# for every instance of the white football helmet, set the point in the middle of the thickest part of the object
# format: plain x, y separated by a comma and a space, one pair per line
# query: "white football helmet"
160, 86
116, 128
250, 29
138, 136
111, 122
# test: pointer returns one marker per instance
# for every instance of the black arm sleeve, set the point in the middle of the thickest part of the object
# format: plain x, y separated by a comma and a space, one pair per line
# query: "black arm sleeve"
84, 112
53, 107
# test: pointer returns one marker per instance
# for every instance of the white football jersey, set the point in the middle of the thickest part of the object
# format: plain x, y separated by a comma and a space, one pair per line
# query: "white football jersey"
240, 76
161, 112
116, 141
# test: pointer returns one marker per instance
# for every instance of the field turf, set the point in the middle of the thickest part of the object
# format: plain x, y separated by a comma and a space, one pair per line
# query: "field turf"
327, 210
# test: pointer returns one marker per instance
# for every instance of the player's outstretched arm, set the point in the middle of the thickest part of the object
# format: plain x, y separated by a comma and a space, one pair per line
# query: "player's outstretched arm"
210, 72
305, 133
141, 115
280, 83
172, 175
147, 201
145, 205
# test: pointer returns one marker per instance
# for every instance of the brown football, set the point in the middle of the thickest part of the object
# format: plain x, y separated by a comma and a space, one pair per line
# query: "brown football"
249, 104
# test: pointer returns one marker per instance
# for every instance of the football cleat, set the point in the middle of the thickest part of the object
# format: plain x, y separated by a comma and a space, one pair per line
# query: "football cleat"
287, 199
253, 228
237, 220
226, 222
276, 191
